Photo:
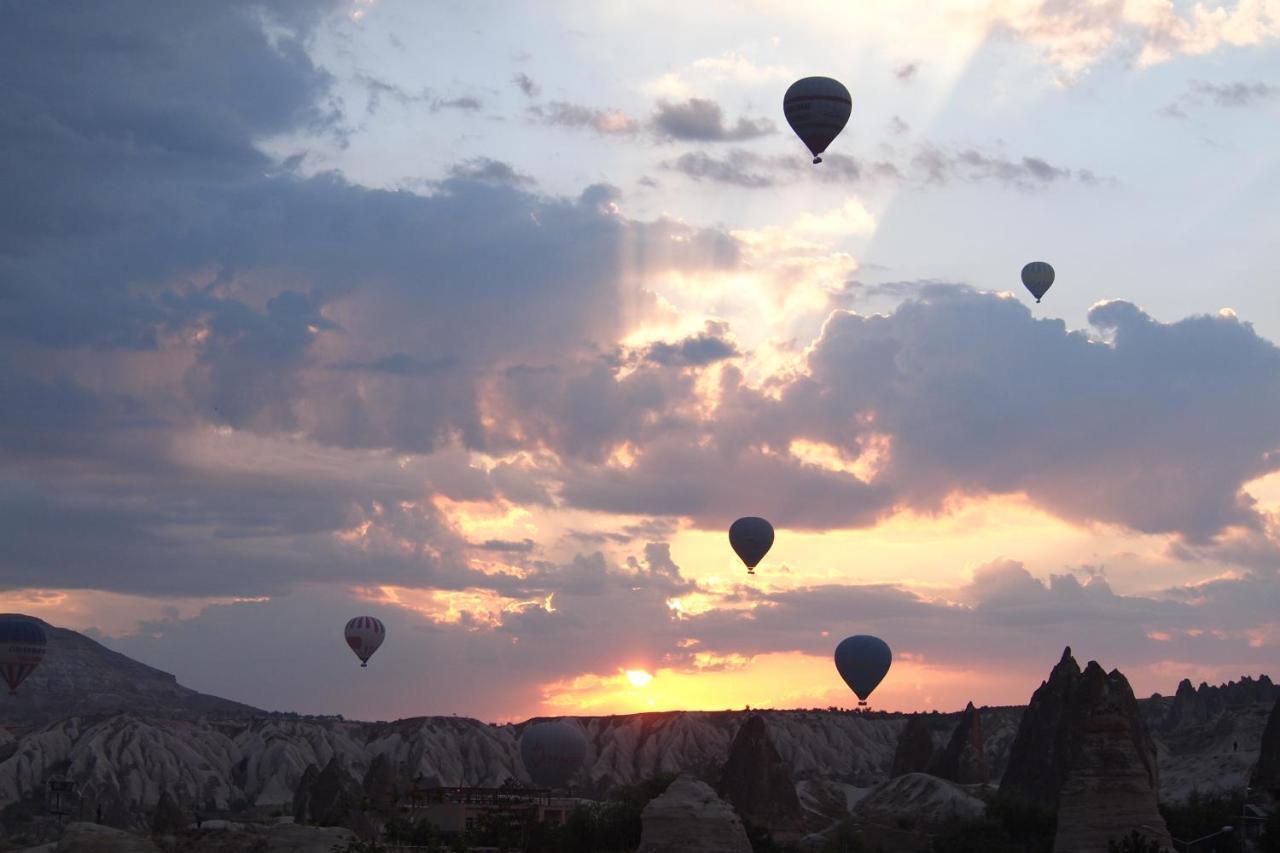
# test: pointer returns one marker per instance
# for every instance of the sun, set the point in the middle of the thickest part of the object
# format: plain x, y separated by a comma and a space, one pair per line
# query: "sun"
638, 677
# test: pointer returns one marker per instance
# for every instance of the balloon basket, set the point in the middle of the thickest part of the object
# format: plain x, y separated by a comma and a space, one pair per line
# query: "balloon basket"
817, 160
363, 665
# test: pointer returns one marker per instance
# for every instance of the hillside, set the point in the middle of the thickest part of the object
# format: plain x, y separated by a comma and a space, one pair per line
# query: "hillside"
81, 677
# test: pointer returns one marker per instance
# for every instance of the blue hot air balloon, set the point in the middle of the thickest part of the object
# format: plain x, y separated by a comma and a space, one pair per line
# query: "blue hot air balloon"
751, 539
1037, 277
863, 661
22, 645
552, 751
817, 108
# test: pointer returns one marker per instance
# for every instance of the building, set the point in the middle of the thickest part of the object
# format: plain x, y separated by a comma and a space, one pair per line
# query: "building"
455, 809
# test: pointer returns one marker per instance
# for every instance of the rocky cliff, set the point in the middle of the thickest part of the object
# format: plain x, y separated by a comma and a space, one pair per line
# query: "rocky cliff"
1266, 775
1111, 783
915, 750
964, 759
757, 781
1041, 751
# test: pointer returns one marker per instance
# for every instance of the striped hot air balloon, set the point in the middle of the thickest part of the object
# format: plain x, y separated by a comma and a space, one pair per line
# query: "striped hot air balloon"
364, 634
22, 645
1037, 277
817, 108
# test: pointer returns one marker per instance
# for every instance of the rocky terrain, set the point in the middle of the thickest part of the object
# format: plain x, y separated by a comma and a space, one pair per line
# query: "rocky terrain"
180, 754
690, 809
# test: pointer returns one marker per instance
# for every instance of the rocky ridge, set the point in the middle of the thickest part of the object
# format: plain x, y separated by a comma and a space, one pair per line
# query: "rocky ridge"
81, 677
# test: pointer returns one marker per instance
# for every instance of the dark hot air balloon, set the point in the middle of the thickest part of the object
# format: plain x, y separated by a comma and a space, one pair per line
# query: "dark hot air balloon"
552, 752
863, 661
22, 646
817, 108
364, 634
1037, 277
751, 539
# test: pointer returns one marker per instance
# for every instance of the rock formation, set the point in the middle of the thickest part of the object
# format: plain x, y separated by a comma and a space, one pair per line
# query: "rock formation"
1266, 775
757, 781
1084, 751
1111, 786
328, 798
915, 748
690, 818
919, 800
964, 760
168, 817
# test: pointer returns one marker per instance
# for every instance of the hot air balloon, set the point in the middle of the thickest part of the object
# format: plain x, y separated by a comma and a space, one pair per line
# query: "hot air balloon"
364, 634
22, 645
817, 108
552, 751
751, 539
863, 661
1037, 276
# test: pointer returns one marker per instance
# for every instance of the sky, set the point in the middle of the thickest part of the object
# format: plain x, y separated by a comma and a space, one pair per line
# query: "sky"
486, 319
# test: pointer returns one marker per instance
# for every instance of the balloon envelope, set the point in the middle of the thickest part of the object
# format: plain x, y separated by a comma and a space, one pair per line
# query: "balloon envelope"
863, 661
751, 538
1037, 276
22, 646
817, 108
364, 634
552, 752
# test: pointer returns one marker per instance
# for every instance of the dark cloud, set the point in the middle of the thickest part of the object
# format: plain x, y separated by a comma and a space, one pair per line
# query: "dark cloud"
527, 84
489, 171
702, 120
935, 165
524, 546
736, 168
577, 116
376, 89
1233, 95
964, 393
696, 351
930, 165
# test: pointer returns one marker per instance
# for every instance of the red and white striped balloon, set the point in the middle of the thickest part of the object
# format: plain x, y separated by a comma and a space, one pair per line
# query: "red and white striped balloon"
364, 634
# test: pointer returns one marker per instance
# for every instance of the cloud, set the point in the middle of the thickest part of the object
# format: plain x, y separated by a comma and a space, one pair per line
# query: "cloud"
527, 85
736, 168
1235, 95
930, 165
490, 171
695, 351
1076, 36
935, 165
701, 120
564, 114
